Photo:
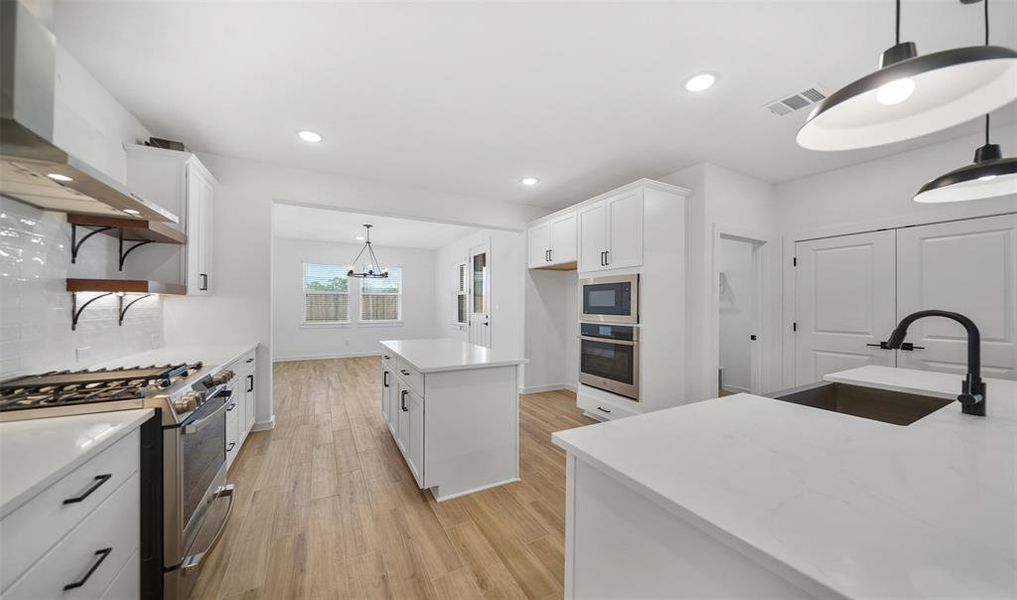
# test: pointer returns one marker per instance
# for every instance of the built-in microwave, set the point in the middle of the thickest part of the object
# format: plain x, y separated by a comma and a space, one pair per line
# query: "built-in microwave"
613, 299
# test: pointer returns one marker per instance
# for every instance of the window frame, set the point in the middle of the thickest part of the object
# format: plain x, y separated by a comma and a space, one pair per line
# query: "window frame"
462, 294
304, 291
399, 302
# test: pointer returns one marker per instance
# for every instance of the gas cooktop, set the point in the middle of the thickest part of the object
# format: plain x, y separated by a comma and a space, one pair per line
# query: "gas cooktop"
60, 393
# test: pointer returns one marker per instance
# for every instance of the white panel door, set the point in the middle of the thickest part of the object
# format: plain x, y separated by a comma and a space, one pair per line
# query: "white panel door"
563, 239
592, 237
845, 303
969, 267
625, 230
480, 295
539, 237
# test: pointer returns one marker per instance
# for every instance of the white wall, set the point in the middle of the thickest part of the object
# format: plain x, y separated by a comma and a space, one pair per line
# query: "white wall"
725, 202
35, 308
874, 195
552, 324
877, 194
737, 316
239, 309
294, 340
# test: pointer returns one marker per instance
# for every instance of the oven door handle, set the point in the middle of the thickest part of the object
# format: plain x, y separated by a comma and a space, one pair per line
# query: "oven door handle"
609, 341
196, 426
193, 561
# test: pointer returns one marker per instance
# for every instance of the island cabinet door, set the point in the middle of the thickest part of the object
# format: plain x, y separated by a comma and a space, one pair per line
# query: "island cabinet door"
402, 410
415, 449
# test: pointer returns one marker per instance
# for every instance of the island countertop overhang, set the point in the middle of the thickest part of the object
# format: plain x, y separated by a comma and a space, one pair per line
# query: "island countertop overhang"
434, 355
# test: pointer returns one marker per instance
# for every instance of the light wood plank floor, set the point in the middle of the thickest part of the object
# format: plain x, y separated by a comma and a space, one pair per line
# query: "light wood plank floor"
327, 508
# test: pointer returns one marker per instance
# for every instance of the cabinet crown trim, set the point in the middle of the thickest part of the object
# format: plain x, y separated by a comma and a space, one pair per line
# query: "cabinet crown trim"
637, 184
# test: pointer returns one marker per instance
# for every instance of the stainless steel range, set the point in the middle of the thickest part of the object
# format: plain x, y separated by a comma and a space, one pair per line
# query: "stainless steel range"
186, 501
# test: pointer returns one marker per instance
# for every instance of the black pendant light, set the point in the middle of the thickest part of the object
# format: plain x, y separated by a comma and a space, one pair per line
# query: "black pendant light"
989, 176
372, 270
911, 96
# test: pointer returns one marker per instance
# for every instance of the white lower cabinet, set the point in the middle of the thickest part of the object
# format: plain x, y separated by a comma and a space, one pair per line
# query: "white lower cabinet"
457, 430
93, 555
240, 416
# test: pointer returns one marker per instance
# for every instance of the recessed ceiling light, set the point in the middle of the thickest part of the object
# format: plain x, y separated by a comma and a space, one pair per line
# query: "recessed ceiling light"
309, 136
59, 177
528, 181
700, 82
131, 211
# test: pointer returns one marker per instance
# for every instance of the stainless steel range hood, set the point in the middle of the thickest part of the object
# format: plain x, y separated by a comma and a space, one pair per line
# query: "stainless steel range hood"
33, 168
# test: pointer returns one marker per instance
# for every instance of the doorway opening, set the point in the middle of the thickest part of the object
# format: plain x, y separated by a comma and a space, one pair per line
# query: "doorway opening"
738, 271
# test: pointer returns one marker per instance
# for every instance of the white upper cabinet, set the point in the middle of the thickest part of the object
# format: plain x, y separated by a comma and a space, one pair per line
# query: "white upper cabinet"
611, 232
552, 243
540, 245
178, 182
592, 237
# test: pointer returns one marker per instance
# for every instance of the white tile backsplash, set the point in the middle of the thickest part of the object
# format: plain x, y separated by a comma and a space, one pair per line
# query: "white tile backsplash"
35, 309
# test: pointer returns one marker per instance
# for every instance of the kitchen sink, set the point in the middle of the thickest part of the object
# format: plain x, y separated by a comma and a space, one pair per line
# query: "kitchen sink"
898, 408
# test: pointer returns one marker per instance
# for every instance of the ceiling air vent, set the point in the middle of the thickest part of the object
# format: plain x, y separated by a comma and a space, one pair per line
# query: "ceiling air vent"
790, 104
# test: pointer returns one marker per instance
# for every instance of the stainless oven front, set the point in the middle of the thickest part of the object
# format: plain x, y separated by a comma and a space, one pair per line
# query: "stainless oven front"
609, 358
197, 501
613, 299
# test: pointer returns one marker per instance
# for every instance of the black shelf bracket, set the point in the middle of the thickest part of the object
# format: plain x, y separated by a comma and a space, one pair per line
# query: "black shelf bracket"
123, 307
123, 254
76, 310
76, 243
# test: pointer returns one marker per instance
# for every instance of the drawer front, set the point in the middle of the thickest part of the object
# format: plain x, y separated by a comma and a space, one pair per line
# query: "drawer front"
36, 526
603, 410
128, 581
411, 377
92, 554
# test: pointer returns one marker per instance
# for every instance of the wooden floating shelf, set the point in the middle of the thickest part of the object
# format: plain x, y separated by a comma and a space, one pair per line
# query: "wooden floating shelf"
134, 230
126, 286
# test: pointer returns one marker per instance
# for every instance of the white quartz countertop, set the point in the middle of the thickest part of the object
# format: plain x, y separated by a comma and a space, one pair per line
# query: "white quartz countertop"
859, 508
446, 354
209, 355
36, 453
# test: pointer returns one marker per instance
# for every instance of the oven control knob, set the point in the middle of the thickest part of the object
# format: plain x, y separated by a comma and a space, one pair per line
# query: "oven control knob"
189, 402
222, 377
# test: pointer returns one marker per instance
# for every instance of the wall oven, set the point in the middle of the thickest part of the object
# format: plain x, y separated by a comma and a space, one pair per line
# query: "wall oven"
609, 358
612, 299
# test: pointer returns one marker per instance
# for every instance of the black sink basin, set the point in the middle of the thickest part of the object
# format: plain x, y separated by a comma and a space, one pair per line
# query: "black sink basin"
897, 408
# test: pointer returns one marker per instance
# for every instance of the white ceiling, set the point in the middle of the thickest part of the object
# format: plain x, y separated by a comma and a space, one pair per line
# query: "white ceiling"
468, 97
303, 223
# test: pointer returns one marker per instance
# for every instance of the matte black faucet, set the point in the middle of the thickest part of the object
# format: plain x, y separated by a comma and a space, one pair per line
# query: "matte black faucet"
972, 396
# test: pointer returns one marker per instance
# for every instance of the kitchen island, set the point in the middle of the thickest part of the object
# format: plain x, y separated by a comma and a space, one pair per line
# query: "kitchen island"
453, 410
752, 497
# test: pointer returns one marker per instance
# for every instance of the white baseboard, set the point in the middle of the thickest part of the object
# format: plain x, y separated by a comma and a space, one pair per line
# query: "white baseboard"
278, 359
736, 388
264, 425
470, 491
551, 387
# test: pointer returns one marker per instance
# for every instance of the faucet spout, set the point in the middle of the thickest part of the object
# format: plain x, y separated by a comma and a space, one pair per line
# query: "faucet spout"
972, 397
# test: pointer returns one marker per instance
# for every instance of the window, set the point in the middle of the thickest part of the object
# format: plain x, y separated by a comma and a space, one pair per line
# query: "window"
326, 294
462, 296
381, 299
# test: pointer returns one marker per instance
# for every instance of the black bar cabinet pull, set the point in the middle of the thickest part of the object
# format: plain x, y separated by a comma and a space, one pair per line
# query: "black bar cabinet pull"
230, 447
404, 371
250, 383
602, 409
402, 401
99, 480
204, 282
879, 345
102, 554
384, 379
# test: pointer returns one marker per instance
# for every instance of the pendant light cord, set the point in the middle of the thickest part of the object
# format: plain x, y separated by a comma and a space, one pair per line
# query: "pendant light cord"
897, 33
986, 11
